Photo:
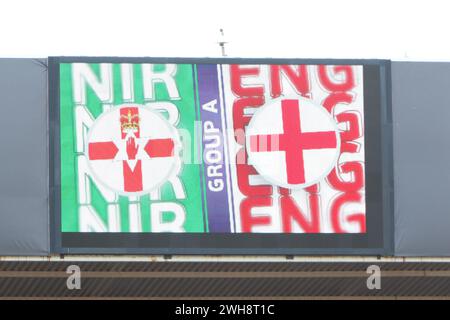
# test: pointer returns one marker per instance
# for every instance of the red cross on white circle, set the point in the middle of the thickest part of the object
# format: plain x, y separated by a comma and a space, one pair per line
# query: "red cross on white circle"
292, 143
131, 149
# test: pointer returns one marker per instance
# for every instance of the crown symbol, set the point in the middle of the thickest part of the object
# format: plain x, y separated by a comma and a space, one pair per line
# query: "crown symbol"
129, 124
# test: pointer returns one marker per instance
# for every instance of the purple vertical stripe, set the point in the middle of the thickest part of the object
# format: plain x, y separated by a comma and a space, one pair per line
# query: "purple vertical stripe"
213, 148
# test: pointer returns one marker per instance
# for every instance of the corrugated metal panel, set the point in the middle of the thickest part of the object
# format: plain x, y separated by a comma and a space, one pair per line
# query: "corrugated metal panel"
231, 267
222, 280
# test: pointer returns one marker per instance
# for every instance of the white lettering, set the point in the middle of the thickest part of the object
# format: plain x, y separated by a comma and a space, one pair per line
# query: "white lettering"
157, 211
150, 77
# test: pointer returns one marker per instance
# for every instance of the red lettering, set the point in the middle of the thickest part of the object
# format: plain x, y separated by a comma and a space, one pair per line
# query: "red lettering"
237, 72
248, 221
353, 132
356, 168
334, 98
360, 219
243, 171
297, 75
336, 206
346, 85
240, 120
291, 212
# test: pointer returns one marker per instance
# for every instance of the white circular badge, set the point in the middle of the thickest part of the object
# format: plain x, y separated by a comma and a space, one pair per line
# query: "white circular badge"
292, 143
132, 149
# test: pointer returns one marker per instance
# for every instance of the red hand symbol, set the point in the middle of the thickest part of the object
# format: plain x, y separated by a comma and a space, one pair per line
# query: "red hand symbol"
132, 149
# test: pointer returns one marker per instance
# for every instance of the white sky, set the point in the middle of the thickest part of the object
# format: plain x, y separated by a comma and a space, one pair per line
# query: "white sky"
395, 29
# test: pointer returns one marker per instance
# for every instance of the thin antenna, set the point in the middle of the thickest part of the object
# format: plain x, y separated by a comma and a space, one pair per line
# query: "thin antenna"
222, 42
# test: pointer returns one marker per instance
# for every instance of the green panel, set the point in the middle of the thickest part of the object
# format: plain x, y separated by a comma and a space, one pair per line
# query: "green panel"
190, 173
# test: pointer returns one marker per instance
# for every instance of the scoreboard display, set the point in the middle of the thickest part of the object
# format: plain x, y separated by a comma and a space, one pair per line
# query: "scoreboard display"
220, 156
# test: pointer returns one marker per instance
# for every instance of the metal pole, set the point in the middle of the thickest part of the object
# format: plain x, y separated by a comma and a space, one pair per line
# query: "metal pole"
222, 43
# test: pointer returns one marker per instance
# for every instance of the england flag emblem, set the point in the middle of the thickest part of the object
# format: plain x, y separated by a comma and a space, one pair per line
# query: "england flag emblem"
132, 149
292, 143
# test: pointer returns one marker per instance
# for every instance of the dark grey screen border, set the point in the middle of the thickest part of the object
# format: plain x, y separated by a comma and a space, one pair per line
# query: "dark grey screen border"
377, 240
387, 160
54, 154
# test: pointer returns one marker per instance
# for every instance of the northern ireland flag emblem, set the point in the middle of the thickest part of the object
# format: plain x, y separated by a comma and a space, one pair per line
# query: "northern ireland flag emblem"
132, 149
292, 143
